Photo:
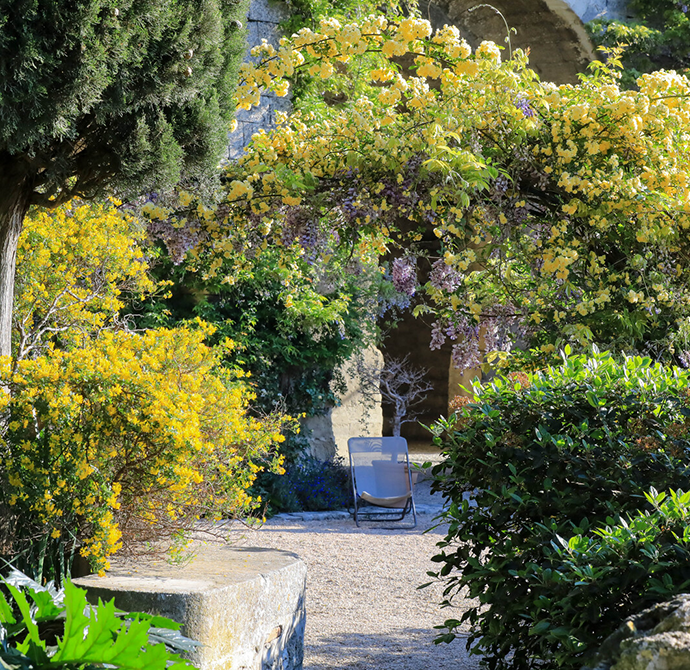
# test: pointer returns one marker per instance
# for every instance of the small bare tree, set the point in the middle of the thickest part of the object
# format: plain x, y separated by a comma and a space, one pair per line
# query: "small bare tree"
399, 384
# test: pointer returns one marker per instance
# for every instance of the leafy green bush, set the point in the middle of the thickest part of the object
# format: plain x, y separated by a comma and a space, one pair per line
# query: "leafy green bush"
288, 335
599, 578
309, 485
551, 454
42, 627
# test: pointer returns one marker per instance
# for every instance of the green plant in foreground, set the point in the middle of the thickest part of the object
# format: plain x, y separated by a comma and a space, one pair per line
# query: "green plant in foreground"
608, 574
561, 454
41, 627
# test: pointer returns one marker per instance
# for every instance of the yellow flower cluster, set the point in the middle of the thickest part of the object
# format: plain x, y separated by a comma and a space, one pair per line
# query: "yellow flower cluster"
115, 436
317, 51
75, 263
313, 147
489, 51
129, 420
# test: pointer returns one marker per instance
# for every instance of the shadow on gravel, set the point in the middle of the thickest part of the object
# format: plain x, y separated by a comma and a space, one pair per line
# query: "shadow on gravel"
408, 649
346, 527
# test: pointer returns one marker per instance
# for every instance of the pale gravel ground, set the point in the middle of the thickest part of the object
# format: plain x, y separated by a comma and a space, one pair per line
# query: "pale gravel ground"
364, 611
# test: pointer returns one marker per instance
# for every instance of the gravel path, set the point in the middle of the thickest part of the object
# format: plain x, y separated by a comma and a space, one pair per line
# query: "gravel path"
364, 611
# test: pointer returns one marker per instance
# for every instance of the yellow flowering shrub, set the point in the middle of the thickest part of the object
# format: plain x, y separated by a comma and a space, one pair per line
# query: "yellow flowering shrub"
76, 263
113, 439
132, 438
559, 212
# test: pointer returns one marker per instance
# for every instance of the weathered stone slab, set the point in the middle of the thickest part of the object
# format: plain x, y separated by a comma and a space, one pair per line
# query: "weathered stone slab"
656, 639
246, 606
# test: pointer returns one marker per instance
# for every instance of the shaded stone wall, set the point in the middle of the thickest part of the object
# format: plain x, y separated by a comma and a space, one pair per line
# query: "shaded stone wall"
412, 337
262, 23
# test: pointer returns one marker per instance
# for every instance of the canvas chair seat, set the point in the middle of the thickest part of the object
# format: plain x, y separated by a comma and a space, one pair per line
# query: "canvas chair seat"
395, 503
381, 478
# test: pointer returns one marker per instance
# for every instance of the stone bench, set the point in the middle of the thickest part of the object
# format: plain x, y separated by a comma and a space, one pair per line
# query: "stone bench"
244, 605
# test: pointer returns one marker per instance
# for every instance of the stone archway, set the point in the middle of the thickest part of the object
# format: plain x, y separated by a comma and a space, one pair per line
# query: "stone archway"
559, 45
559, 50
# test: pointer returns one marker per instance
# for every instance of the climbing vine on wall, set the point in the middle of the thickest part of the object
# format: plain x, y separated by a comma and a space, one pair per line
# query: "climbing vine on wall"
560, 210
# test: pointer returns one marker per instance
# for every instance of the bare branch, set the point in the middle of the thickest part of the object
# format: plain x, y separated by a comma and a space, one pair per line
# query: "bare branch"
400, 385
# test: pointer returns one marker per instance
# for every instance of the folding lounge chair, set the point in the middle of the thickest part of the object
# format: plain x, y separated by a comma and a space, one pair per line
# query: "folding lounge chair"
381, 478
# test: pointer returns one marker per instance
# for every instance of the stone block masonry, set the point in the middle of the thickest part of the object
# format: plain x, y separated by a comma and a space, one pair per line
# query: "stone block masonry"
245, 606
262, 23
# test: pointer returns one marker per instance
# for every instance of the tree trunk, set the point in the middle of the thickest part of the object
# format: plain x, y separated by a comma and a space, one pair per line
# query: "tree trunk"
15, 197
397, 424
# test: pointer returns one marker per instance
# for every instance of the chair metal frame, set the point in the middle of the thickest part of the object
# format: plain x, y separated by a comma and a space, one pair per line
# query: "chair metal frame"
395, 513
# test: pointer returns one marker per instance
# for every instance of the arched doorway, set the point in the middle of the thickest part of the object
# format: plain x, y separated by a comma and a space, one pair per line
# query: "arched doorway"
559, 50
558, 42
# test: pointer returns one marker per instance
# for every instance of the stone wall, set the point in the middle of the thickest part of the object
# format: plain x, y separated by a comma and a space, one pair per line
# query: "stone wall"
355, 417
262, 23
245, 606
552, 30
559, 46
411, 337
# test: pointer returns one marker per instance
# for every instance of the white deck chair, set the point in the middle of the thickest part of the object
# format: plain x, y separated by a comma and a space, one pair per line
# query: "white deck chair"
381, 477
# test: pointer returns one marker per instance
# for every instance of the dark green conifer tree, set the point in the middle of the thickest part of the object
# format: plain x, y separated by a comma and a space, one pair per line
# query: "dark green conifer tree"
108, 96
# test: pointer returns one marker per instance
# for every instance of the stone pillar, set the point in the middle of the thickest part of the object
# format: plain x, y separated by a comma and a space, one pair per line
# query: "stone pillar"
457, 378
352, 417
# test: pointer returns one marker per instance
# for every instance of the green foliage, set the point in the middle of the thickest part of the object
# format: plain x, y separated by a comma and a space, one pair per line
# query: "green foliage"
122, 94
658, 38
640, 42
589, 582
308, 485
547, 456
292, 330
306, 13
41, 627
293, 327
